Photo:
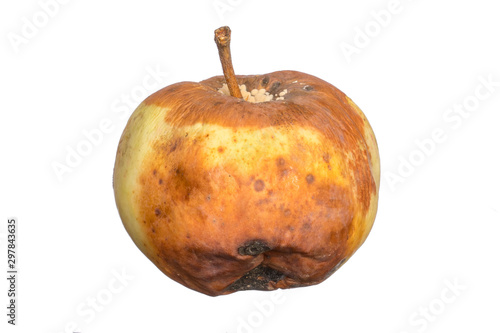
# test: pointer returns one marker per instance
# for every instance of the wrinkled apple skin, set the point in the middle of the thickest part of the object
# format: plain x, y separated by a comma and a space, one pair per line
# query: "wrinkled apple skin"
225, 195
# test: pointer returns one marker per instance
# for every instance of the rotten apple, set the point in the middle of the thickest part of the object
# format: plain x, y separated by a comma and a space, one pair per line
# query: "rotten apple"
247, 182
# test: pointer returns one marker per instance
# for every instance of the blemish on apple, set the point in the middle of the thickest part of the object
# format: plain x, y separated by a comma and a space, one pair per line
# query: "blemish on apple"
306, 226
176, 143
253, 248
259, 185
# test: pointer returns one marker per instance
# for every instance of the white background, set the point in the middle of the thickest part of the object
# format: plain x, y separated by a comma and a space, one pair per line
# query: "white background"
431, 262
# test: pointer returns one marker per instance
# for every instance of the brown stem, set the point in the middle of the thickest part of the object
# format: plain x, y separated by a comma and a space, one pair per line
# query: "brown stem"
222, 39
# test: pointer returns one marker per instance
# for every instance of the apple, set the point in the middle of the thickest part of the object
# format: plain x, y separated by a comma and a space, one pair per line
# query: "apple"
251, 182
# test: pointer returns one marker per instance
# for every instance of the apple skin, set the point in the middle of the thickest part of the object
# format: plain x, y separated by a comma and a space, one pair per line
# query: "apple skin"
224, 195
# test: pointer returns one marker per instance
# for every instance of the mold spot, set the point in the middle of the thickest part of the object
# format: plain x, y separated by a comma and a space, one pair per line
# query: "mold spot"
259, 185
310, 179
253, 248
257, 279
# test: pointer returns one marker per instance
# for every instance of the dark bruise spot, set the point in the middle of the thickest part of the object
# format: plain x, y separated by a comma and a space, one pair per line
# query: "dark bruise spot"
220, 149
306, 226
308, 88
275, 87
208, 197
326, 158
157, 212
280, 161
287, 212
160, 181
257, 279
154, 172
253, 248
259, 185
265, 81
310, 179
217, 103
262, 202
153, 230
181, 185
188, 236
175, 145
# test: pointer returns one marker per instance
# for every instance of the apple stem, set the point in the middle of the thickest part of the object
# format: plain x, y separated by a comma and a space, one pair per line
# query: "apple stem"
222, 39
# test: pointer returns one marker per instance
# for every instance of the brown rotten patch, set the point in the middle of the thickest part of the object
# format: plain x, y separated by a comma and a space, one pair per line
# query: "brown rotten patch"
270, 184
